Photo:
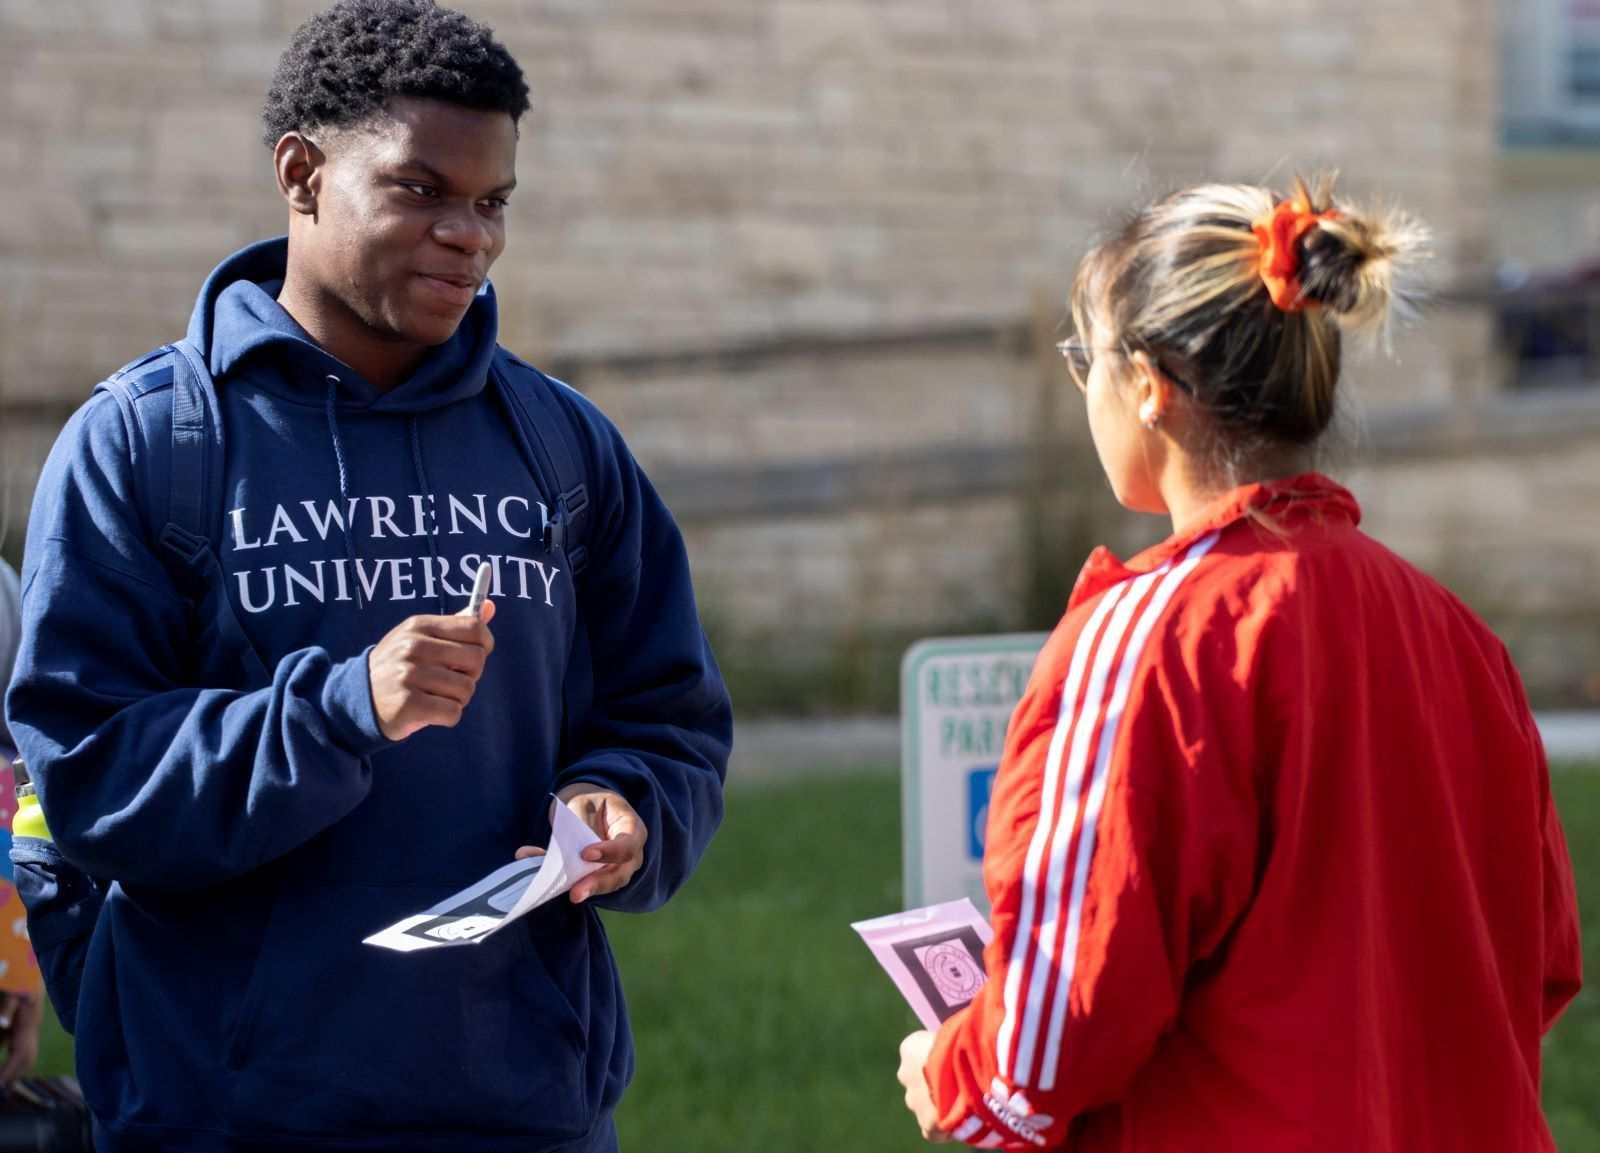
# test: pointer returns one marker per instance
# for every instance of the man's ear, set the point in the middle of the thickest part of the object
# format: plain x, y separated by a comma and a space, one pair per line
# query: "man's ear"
299, 164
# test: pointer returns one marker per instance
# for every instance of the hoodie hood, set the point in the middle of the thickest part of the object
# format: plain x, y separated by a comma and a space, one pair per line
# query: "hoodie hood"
237, 321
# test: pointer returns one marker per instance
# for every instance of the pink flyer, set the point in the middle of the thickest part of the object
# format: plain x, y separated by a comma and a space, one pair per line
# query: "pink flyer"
934, 955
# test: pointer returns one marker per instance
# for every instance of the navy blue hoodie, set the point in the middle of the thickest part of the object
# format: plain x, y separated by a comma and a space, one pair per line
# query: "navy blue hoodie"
257, 832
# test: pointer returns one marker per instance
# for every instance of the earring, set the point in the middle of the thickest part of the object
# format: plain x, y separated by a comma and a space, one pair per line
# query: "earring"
1148, 416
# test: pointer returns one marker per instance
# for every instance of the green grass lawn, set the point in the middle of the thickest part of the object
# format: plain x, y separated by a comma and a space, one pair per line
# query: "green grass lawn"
763, 1023
1572, 1051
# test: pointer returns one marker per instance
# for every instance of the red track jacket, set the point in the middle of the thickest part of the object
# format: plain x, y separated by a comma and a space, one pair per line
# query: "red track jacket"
1273, 862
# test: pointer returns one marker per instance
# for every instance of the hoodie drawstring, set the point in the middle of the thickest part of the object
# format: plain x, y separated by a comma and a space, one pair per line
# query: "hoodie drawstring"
345, 511
344, 491
422, 483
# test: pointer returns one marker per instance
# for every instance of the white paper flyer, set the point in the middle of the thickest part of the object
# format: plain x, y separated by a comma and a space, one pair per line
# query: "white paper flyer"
483, 909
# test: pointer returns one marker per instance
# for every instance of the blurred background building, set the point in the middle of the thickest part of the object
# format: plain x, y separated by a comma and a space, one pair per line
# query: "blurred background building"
812, 255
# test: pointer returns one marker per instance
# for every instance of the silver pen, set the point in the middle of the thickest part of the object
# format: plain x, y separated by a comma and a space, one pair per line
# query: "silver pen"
480, 591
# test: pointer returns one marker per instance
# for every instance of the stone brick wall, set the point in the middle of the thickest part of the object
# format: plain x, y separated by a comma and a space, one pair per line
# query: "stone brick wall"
1511, 523
735, 200
700, 171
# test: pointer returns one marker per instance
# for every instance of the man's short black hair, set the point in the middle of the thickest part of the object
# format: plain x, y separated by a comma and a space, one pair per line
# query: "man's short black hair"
344, 64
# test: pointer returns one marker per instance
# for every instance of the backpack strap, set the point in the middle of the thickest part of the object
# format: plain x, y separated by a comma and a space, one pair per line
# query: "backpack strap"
189, 500
192, 443
546, 427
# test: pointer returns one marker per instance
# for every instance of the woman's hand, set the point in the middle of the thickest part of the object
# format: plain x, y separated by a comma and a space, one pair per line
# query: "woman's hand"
914, 1052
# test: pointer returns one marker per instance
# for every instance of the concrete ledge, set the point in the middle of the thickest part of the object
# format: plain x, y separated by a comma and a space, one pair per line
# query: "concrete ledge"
1571, 736
779, 749
1505, 422
1510, 423
765, 750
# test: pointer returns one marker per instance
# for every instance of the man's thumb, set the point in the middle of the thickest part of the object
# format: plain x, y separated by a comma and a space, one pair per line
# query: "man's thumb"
488, 611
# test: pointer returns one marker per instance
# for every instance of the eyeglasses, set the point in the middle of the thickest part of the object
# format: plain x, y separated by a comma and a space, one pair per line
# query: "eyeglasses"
1080, 359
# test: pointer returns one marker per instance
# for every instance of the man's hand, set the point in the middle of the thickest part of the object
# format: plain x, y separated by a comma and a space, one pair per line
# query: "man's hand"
20, 1018
622, 835
426, 670
914, 1052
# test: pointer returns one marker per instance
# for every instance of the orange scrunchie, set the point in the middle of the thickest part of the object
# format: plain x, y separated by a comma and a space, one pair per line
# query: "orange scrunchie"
1280, 235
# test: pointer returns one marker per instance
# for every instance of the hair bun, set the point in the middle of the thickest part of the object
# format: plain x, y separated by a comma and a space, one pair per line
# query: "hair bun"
1354, 264
1330, 270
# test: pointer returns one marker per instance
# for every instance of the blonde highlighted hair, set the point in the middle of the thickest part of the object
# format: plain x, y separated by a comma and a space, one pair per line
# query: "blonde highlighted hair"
1181, 281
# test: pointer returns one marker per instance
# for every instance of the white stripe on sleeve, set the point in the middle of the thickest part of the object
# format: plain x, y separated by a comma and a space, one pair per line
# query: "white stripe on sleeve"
1041, 832
1097, 789
967, 1129
1066, 820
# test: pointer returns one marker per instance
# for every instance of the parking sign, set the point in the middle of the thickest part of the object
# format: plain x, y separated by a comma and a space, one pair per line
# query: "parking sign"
956, 699
980, 783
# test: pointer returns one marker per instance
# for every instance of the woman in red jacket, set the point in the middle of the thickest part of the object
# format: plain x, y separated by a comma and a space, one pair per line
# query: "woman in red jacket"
1272, 856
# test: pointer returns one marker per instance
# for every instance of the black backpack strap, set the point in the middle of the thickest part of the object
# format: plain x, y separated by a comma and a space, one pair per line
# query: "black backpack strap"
546, 427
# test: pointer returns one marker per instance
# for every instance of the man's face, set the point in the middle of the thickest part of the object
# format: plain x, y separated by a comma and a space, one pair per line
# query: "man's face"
410, 215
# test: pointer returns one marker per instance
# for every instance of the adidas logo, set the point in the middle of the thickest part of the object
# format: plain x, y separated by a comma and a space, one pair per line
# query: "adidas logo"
1015, 1112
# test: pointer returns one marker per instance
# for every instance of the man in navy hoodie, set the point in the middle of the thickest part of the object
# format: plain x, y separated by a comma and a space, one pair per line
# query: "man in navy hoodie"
258, 813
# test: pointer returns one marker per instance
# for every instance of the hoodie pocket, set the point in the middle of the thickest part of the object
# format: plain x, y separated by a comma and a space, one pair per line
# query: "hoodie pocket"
63, 904
334, 1036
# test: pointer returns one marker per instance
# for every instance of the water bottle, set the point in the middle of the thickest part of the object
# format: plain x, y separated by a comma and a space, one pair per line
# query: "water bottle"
29, 821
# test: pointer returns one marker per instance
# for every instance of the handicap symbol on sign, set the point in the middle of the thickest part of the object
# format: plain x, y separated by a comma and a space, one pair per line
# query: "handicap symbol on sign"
980, 783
